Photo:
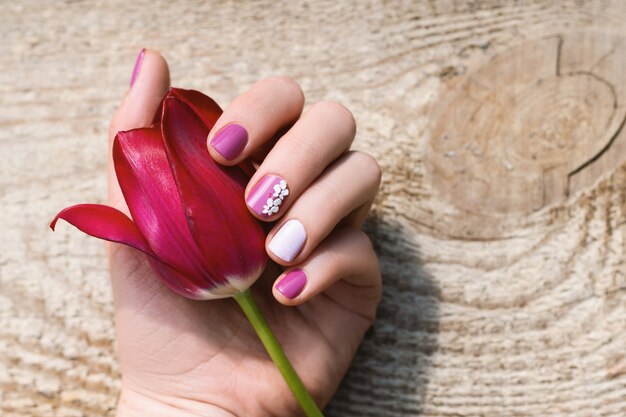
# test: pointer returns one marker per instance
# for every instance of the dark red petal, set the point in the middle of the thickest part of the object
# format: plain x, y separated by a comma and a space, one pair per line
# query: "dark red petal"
104, 222
203, 106
178, 282
213, 197
149, 189
157, 115
207, 110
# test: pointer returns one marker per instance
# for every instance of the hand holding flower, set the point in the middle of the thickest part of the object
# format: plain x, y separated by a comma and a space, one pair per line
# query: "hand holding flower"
185, 357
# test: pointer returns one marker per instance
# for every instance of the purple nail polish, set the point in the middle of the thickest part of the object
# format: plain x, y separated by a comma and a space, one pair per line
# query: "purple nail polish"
267, 197
133, 78
288, 241
292, 283
230, 141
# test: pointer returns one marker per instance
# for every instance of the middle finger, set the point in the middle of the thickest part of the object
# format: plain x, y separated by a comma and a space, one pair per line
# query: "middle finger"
323, 133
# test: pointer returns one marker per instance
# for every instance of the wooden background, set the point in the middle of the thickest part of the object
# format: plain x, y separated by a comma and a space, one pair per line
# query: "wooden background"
501, 223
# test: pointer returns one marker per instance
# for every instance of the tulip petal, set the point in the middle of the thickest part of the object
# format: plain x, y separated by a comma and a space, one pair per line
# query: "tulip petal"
182, 285
204, 107
213, 197
150, 191
207, 109
159, 112
174, 280
104, 222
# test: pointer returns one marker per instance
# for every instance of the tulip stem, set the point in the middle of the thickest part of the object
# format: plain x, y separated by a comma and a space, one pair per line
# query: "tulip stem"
254, 315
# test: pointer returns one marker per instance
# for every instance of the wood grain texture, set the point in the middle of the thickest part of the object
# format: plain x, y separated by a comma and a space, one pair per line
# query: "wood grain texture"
501, 223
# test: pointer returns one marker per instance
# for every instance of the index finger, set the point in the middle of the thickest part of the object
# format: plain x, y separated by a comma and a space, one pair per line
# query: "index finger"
254, 119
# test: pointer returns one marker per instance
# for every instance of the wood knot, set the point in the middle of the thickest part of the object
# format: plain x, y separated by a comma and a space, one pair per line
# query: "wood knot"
530, 127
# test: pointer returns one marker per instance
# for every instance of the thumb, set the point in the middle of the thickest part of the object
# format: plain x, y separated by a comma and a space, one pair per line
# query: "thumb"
150, 82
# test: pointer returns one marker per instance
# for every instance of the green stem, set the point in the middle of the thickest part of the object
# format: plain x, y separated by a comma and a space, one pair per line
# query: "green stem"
252, 312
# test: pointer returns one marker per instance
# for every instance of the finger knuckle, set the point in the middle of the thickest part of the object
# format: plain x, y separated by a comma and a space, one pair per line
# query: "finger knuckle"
336, 111
362, 241
367, 165
328, 192
289, 86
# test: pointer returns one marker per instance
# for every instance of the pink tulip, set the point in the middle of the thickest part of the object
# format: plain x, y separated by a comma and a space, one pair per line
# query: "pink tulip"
188, 213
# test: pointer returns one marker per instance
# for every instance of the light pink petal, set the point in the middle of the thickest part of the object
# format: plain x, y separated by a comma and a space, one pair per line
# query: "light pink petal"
104, 222
150, 191
213, 197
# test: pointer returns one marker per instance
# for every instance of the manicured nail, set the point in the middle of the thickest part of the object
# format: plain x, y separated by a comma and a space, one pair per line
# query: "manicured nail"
137, 67
287, 243
230, 141
292, 283
266, 198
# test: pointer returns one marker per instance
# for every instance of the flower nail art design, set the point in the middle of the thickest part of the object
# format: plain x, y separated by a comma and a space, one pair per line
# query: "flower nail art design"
280, 190
272, 206
267, 197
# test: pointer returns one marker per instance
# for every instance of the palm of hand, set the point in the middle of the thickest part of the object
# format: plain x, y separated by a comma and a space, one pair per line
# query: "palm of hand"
205, 352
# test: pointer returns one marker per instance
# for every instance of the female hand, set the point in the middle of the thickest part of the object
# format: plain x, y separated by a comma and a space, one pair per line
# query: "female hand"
180, 357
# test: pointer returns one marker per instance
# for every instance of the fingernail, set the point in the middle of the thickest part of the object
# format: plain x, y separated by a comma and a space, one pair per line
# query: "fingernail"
286, 244
266, 198
230, 141
137, 66
292, 283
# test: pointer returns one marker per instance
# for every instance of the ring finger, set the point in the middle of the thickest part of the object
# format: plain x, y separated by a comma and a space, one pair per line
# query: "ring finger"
347, 185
